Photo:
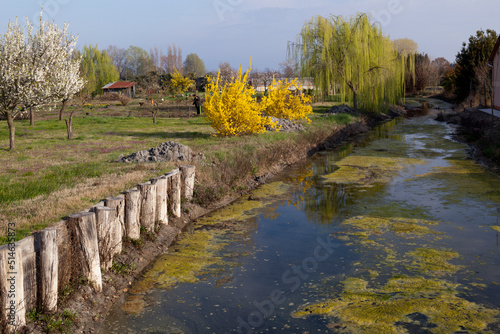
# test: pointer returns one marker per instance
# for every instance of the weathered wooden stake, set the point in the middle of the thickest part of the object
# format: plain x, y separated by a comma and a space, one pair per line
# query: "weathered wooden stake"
132, 211
118, 204
105, 219
161, 200
12, 307
187, 181
148, 206
84, 226
49, 263
174, 192
28, 254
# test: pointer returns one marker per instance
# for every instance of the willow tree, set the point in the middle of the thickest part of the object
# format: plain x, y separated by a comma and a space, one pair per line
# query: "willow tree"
98, 69
351, 54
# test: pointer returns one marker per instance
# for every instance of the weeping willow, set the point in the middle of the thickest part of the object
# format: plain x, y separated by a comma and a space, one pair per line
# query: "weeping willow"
353, 58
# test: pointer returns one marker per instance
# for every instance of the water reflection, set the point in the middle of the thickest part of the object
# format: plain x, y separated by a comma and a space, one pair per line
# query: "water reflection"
427, 228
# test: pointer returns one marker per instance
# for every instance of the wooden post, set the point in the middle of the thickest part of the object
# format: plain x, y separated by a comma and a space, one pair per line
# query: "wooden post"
84, 227
28, 254
49, 263
187, 181
12, 306
161, 200
118, 204
105, 218
174, 192
148, 206
67, 250
132, 210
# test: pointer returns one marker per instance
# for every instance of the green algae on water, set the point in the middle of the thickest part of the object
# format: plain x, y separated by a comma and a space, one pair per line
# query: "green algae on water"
271, 190
244, 209
433, 261
366, 170
193, 256
367, 225
463, 179
431, 304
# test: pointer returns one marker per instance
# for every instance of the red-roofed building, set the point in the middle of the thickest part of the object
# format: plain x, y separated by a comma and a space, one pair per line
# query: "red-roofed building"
121, 87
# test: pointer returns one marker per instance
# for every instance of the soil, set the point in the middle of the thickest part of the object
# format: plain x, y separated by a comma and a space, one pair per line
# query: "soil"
91, 308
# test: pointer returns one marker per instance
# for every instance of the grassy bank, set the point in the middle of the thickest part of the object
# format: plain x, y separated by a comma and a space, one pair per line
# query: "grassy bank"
49, 177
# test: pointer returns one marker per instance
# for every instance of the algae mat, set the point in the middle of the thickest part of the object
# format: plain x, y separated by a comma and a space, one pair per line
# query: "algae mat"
395, 234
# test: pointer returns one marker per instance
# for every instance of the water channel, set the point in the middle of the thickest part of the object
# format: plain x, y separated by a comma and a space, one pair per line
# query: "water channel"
397, 233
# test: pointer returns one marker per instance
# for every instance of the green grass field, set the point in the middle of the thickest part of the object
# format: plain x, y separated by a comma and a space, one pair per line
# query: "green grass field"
48, 176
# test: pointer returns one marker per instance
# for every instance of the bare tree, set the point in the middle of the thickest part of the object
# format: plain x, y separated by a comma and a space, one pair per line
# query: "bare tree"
289, 68
119, 57
173, 60
226, 72
156, 55
264, 78
483, 78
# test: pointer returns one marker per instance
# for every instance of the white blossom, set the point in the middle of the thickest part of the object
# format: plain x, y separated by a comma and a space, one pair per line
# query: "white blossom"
37, 66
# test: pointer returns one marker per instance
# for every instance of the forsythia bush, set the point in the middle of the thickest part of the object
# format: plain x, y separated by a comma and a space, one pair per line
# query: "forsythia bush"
281, 102
179, 83
232, 109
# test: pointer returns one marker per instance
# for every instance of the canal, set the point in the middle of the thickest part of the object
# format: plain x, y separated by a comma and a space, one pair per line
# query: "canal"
396, 233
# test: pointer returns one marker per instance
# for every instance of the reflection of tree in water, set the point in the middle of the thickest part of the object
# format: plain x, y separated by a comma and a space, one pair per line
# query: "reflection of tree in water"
326, 203
329, 204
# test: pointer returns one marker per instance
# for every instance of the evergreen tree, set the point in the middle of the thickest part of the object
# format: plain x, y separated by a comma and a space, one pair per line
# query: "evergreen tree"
471, 61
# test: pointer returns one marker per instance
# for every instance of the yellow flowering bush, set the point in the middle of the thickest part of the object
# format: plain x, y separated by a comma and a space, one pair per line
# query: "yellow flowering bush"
232, 110
282, 102
179, 83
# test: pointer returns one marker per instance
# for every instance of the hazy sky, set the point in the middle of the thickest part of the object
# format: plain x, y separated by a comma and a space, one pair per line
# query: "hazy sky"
235, 30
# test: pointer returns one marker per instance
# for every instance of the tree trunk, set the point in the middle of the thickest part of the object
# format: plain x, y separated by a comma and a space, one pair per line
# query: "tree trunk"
32, 117
355, 100
12, 131
69, 126
62, 109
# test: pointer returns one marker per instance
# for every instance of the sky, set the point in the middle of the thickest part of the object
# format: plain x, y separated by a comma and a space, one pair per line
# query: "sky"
236, 30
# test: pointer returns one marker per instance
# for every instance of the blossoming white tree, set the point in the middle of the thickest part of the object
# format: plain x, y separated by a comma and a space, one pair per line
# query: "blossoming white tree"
37, 66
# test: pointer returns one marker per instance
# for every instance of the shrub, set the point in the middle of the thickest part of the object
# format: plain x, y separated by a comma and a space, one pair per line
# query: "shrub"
232, 109
124, 100
283, 102
109, 97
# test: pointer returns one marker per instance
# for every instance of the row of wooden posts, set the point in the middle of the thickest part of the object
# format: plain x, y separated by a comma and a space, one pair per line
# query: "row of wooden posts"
35, 270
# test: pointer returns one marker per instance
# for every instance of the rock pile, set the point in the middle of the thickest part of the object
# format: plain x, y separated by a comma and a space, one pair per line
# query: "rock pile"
341, 108
168, 151
286, 125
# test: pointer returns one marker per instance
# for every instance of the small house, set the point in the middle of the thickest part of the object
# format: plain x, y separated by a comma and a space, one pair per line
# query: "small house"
495, 61
121, 87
